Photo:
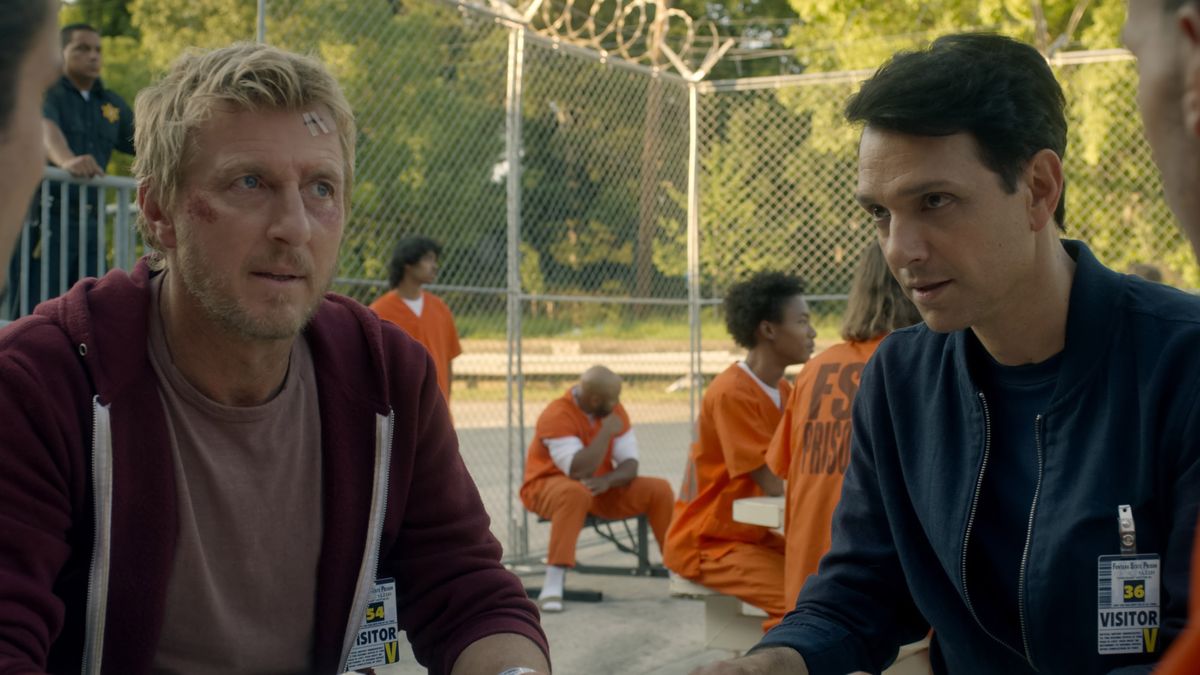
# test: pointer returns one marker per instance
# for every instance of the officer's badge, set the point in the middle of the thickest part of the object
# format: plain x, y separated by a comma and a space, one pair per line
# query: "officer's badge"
111, 112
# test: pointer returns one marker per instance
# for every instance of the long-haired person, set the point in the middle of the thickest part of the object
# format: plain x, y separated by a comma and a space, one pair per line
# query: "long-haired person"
811, 447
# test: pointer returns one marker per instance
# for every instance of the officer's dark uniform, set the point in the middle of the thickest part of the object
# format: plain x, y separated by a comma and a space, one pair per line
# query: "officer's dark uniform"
94, 126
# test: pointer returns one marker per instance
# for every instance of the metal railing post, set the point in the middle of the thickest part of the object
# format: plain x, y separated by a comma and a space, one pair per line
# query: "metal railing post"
693, 255
518, 519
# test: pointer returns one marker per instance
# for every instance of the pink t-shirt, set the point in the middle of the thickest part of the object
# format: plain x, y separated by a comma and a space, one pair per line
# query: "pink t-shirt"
243, 583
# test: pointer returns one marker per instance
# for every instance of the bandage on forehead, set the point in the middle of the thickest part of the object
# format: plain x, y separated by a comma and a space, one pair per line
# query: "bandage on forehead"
315, 124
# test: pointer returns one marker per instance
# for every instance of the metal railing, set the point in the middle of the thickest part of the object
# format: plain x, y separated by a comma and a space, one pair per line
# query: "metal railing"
75, 228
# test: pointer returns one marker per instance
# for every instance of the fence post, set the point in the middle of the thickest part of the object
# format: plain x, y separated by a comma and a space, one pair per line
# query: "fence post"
260, 31
518, 532
693, 254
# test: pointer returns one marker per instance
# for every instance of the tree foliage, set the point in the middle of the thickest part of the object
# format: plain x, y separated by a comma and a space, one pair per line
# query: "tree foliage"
794, 209
604, 158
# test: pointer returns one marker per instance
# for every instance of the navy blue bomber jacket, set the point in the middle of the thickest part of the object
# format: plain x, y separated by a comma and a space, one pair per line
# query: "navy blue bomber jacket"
1121, 428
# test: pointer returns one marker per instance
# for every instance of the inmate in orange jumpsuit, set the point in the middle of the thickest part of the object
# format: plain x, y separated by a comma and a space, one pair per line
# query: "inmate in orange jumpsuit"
1183, 658
811, 450
434, 328
551, 494
705, 544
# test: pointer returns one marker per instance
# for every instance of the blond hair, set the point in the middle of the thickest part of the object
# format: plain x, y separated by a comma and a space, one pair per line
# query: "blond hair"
243, 76
877, 303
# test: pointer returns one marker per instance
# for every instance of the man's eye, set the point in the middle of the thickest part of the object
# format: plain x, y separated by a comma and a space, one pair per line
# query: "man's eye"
877, 212
323, 190
249, 182
936, 200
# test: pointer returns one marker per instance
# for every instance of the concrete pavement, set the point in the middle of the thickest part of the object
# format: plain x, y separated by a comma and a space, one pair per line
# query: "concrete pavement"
637, 629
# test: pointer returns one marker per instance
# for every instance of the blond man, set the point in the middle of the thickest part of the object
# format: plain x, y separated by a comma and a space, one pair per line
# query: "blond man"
210, 462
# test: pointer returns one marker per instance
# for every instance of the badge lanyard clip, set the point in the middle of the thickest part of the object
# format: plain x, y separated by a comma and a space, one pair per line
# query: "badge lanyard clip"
1127, 530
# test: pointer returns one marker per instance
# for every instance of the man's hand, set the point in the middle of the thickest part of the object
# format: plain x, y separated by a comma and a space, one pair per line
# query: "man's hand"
611, 424
772, 661
82, 166
597, 484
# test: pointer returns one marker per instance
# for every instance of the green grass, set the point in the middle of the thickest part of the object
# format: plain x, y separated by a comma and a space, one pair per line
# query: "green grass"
616, 323
635, 391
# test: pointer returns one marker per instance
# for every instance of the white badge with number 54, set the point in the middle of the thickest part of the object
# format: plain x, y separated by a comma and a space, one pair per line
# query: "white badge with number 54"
378, 641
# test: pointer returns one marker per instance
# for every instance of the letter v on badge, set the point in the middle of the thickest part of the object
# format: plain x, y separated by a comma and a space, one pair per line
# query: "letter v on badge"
1127, 595
378, 641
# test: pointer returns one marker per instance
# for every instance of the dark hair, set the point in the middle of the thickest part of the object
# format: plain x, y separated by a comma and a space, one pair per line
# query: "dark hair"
19, 27
760, 298
997, 89
409, 251
877, 304
67, 33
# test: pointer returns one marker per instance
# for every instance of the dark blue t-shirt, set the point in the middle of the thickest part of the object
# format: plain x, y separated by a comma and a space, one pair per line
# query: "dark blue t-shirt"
1015, 396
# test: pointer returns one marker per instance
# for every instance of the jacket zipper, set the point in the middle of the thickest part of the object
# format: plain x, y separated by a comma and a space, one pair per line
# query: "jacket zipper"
97, 588
369, 570
987, 450
1037, 490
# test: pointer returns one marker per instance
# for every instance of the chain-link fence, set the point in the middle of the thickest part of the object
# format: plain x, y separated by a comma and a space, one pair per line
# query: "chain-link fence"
594, 210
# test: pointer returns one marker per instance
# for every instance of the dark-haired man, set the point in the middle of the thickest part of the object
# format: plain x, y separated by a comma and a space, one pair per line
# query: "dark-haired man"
28, 65
420, 313
84, 121
1024, 472
767, 315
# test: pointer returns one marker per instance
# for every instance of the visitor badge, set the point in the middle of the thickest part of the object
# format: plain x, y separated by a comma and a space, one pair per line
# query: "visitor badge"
1127, 614
378, 640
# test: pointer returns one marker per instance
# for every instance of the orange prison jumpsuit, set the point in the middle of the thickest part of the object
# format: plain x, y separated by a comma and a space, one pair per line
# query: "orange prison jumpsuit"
1183, 658
811, 449
705, 544
551, 494
434, 328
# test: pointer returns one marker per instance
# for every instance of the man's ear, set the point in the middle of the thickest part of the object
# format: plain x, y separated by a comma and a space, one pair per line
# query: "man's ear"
156, 217
766, 331
1187, 19
1044, 178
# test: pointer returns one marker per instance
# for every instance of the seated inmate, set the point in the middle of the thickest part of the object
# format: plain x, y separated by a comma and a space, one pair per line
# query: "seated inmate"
584, 459
769, 317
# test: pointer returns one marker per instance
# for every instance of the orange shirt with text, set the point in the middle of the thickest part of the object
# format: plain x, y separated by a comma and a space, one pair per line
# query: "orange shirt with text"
563, 418
434, 328
737, 419
811, 450
1183, 658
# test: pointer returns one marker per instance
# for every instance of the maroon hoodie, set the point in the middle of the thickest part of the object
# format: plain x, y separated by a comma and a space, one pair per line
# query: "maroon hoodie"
88, 513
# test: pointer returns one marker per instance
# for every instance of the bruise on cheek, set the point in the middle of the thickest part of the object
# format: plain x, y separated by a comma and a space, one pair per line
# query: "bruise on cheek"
199, 209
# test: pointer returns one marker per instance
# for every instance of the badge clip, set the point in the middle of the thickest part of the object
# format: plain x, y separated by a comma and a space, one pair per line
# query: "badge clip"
1127, 529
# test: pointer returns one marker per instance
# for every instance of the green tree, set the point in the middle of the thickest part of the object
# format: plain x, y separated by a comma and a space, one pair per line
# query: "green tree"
168, 27
1113, 197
